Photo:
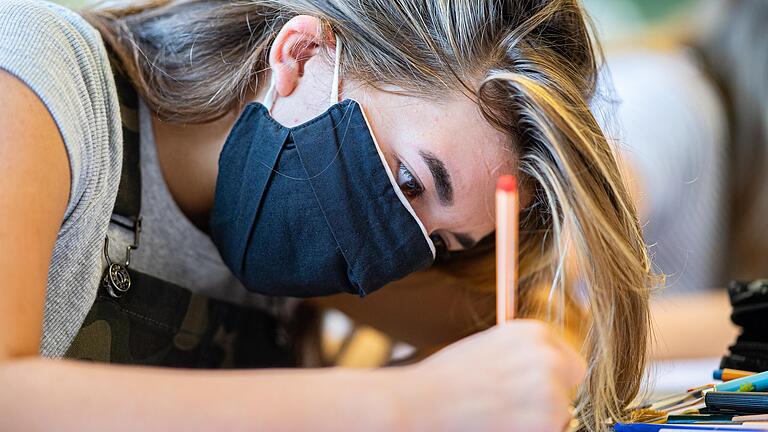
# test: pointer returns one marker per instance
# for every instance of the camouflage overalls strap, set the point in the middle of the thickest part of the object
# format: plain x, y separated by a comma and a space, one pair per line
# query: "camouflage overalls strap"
140, 319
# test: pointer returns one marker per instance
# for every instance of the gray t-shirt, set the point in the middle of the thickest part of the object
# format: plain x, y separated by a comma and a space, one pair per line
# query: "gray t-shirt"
63, 60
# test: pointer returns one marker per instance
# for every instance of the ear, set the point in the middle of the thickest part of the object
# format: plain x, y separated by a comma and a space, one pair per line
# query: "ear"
297, 42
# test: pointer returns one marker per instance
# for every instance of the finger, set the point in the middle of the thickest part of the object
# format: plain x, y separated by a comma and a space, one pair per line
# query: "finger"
546, 349
562, 413
573, 363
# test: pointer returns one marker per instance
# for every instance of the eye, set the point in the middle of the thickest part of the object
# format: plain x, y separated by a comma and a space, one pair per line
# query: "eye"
408, 183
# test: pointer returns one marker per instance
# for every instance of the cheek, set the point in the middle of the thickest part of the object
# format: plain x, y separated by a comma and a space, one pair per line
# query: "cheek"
474, 215
475, 180
426, 214
471, 217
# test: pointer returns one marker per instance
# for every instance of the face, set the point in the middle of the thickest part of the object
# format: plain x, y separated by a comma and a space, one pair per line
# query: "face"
446, 159
443, 153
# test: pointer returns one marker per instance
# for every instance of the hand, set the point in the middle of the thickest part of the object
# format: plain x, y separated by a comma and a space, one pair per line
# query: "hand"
517, 377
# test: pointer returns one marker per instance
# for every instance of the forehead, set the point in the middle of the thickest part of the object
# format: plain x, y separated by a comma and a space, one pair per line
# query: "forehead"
474, 153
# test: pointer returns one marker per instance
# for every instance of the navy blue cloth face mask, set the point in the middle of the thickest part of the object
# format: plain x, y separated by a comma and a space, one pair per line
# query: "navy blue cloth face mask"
314, 209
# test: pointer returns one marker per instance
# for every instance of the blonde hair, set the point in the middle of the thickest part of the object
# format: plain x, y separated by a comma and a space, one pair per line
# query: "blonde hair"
530, 65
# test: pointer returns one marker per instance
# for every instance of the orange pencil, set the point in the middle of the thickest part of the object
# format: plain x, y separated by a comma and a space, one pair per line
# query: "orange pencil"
506, 248
730, 374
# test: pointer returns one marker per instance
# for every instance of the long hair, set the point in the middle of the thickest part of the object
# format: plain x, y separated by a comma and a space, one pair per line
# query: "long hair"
531, 66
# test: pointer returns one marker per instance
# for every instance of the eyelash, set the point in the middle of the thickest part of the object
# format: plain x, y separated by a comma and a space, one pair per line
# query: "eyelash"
441, 247
412, 189
408, 183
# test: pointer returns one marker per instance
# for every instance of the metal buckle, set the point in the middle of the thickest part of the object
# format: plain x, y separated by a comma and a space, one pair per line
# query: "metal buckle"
117, 280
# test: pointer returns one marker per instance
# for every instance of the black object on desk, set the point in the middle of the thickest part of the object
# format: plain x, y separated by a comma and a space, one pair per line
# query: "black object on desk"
750, 312
743, 402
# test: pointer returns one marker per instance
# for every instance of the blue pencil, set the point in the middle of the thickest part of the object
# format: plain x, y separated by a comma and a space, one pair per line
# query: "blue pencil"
655, 427
757, 382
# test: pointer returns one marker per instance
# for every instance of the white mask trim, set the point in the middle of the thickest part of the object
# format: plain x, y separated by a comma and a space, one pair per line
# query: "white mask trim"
396, 187
334, 98
269, 98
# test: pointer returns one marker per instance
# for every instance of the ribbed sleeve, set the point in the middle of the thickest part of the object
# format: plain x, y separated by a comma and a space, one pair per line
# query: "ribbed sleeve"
63, 60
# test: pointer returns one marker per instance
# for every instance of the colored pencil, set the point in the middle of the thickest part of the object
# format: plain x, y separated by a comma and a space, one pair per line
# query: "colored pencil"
730, 374
506, 247
753, 383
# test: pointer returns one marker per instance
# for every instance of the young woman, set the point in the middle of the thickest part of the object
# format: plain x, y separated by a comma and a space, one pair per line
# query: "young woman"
429, 102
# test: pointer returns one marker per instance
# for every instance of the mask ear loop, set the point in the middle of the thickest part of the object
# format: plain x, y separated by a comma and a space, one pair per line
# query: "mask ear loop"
269, 98
336, 66
271, 95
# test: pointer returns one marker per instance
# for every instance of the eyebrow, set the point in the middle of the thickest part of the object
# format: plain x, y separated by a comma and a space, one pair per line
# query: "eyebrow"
441, 177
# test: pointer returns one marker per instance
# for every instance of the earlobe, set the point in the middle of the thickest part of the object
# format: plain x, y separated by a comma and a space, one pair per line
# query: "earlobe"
297, 42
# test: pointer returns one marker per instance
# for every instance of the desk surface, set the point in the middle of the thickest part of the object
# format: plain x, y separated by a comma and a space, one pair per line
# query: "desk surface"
666, 377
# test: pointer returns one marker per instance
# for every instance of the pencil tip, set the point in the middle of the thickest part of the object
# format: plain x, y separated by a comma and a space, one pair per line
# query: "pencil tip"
507, 183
